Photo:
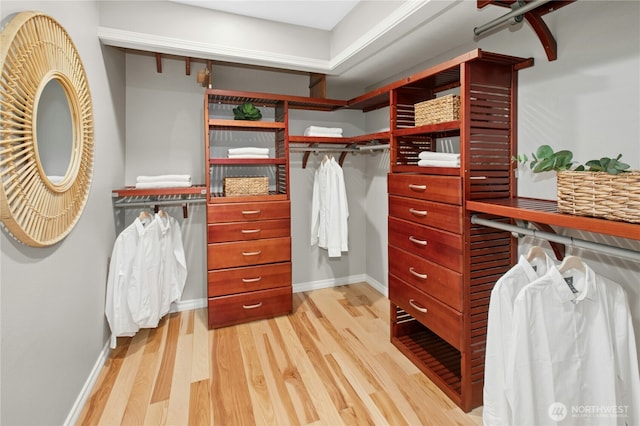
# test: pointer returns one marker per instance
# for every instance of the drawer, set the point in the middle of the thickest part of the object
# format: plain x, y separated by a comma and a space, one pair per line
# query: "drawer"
444, 189
239, 231
246, 253
436, 215
440, 247
437, 316
239, 308
441, 283
241, 212
250, 278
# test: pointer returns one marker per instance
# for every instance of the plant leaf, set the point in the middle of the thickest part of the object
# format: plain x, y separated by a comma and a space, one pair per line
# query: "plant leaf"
544, 151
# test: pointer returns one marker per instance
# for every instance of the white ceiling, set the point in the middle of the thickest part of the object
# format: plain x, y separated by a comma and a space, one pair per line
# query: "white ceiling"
319, 14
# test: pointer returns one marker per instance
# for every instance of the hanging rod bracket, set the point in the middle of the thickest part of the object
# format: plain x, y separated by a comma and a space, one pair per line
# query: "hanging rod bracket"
532, 11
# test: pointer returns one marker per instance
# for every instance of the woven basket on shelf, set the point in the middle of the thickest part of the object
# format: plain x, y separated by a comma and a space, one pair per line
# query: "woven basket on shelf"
600, 194
438, 110
246, 185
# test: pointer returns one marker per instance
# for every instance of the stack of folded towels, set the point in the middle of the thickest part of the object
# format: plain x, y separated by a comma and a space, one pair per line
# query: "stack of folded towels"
438, 159
325, 132
163, 181
248, 152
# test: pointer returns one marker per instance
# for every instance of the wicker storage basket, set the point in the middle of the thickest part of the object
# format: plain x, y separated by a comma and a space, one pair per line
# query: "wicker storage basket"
438, 110
600, 194
246, 185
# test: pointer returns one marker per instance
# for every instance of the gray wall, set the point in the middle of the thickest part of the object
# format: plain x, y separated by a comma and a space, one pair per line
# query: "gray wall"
52, 302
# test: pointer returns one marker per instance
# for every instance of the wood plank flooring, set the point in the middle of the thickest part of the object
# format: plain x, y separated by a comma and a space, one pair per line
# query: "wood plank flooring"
328, 363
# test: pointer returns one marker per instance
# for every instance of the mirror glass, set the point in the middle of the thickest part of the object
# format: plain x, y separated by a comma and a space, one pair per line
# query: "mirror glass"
54, 131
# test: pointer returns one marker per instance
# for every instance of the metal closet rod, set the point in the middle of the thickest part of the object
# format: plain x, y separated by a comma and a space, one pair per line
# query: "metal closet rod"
504, 18
562, 239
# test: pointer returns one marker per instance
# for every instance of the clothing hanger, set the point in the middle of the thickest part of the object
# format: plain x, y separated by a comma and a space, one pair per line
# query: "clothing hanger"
536, 252
162, 214
144, 215
571, 262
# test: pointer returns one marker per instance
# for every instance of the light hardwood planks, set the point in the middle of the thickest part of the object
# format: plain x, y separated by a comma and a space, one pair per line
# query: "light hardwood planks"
328, 363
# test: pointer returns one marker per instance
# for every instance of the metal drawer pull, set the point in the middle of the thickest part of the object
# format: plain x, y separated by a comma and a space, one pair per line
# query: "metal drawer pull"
417, 307
257, 305
418, 212
251, 253
417, 274
417, 241
250, 231
250, 211
251, 280
417, 187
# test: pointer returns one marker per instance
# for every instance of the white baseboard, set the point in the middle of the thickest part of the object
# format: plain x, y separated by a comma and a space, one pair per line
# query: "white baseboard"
85, 392
330, 282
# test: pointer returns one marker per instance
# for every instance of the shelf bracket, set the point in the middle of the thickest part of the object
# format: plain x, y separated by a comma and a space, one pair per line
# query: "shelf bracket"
534, 18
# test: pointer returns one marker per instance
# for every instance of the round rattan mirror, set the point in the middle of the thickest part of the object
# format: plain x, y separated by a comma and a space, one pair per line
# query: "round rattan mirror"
38, 56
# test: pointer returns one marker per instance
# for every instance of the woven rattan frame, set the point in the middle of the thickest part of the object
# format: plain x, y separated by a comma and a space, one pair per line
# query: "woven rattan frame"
34, 50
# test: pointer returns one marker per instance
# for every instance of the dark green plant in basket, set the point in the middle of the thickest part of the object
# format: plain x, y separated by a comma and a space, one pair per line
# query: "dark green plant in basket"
546, 159
247, 111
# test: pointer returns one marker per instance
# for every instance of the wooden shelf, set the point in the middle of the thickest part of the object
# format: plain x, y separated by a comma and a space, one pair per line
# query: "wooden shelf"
448, 126
545, 211
218, 197
131, 191
246, 124
272, 99
246, 161
360, 139
445, 171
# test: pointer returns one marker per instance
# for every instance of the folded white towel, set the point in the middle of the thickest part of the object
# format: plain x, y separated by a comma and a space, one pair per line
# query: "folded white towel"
165, 178
322, 131
323, 135
165, 184
248, 150
438, 163
248, 156
439, 156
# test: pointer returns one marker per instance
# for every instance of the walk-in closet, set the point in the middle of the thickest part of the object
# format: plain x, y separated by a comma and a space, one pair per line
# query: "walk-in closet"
275, 223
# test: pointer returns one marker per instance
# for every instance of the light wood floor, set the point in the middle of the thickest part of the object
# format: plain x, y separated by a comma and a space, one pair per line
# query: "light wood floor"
328, 363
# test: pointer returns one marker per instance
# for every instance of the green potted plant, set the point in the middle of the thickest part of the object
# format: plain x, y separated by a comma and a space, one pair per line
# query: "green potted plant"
603, 188
545, 159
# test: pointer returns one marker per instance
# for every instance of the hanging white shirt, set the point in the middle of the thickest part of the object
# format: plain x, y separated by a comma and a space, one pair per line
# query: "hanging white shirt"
329, 209
573, 345
145, 284
173, 263
495, 410
337, 223
117, 309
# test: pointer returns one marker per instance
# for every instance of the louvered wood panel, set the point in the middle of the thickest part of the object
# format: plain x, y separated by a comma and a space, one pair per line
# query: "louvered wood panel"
490, 142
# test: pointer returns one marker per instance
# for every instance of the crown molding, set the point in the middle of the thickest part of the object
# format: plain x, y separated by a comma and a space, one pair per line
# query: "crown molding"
385, 32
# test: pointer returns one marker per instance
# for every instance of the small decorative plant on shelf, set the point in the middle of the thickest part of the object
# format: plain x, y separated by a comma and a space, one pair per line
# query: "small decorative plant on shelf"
247, 111
603, 188
546, 159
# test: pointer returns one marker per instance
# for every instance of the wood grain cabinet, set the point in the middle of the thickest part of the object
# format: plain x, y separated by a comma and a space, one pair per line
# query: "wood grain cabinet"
249, 236
441, 267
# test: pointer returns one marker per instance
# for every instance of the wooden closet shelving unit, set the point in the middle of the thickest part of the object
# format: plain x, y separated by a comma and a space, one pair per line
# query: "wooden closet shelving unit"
442, 267
249, 237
